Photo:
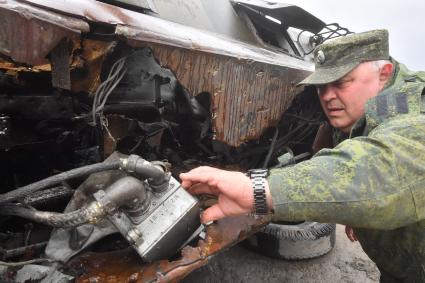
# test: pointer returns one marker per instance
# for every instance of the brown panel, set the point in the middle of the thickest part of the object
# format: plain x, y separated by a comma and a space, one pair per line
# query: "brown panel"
28, 34
248, 97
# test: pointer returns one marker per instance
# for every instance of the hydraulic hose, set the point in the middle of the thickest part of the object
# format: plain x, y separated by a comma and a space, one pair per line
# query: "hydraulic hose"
158, 178
127, 191
156, 174
90, 213
56, 179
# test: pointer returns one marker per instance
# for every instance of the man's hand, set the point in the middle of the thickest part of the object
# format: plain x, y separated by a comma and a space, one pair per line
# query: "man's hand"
233, 189
350, 233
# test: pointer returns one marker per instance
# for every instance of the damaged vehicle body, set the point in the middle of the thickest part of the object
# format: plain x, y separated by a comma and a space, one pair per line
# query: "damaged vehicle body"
104, 103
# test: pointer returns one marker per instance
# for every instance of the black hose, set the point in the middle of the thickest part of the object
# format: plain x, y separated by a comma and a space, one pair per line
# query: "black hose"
157, 175
56, 179
50, 195
60, 220
127, 191
271, 150
147, 170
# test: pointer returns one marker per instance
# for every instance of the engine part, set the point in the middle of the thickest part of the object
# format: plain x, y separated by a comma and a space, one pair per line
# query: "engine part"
159, 232
156, 216
157, 176
65, 243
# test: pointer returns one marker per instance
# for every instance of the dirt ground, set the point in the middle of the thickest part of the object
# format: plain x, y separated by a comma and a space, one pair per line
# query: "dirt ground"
345, 263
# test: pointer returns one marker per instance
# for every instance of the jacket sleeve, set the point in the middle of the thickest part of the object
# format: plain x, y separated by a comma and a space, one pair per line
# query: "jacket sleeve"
375, 182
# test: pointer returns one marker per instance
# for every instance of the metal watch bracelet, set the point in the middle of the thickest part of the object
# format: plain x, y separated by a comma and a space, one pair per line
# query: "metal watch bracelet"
258, 178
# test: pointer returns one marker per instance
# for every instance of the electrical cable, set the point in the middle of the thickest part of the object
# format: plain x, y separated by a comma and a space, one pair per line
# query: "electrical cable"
104, 90
271, 150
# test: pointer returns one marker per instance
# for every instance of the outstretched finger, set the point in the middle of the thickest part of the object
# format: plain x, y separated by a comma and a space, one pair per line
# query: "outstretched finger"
199, 189
203, 174
186, 183
212, 213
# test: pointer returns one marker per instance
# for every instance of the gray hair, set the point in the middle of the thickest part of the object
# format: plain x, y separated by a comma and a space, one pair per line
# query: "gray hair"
380, 63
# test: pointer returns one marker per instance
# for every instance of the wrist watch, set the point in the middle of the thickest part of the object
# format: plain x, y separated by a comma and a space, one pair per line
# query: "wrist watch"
258, 178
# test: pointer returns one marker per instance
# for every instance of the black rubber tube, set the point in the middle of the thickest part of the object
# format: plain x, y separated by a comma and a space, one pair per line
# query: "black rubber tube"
158, 178
271, 150
56, 179
146, 170
55, 219
120, 193
127, 192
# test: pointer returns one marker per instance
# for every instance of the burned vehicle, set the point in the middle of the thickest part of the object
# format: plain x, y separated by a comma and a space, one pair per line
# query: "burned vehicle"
104, 103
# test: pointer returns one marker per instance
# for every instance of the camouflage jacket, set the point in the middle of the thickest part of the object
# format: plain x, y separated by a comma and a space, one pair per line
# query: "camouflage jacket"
373, 181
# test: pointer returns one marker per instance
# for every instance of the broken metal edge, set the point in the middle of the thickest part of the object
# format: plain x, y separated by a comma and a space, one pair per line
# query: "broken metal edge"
124, 266
137, 26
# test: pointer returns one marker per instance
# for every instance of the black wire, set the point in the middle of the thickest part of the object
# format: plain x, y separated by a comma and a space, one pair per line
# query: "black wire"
271, 150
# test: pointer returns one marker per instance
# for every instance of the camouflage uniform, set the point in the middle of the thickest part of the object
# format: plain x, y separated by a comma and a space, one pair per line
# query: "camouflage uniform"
374, 181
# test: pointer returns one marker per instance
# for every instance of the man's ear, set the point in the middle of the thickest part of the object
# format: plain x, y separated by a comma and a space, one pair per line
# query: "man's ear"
386, 72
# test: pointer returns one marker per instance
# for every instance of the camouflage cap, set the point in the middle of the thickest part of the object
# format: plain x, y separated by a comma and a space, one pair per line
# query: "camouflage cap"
336, 58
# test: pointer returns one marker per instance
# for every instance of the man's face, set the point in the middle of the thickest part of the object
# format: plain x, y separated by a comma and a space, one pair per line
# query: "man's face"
343, 101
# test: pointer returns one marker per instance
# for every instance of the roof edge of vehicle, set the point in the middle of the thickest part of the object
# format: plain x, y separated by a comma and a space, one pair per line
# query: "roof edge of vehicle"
141, 27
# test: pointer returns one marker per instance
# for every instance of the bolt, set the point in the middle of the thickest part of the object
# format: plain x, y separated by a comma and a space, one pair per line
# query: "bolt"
134, 236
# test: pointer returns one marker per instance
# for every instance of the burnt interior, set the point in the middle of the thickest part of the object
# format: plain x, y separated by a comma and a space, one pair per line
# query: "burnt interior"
46, 130
139, 106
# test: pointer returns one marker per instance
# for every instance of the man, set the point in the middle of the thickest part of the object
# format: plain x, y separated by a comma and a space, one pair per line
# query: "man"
373, 181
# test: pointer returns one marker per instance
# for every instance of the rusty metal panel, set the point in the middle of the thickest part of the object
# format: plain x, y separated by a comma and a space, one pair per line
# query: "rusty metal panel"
90, 62
247, 97
126, 266
151, 29
171, 34
13, 68
84, 66
27, 34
